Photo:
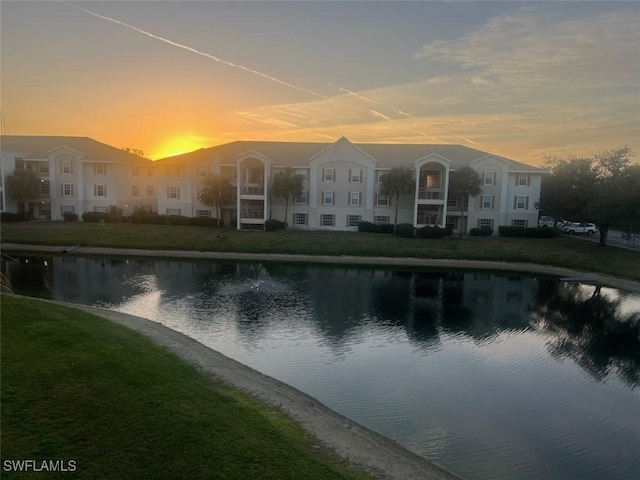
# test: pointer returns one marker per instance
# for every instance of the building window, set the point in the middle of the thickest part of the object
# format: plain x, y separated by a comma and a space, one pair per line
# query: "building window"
100, 190
519, 223
45, 187
151, 190
521, 202
100, 209
353, 220
203, 170
43, 168
302, 172
522, 179
380, 174
382, 200
354, 198
174, 211
328, 174
301, 199
300, 219
452, 201
199, 192
327, 220
381, 219
135, 170
67, 209
67, 189
67, 167
354, 175
100, 169
173, 192
489, 178
487, 201
485, 223
203, 213
135, 190
327, 198
452, 223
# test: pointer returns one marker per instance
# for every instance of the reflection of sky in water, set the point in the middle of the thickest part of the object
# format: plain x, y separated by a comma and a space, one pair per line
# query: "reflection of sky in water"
456, 367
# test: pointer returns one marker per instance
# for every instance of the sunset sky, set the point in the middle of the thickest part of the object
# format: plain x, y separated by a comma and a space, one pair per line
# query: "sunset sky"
518, 79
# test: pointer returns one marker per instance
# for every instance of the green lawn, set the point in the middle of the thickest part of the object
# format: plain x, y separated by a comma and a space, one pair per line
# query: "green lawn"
563, 251
77, 387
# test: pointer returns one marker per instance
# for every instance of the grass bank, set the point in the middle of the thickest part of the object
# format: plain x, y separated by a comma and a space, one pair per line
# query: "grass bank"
561, 252
78, 387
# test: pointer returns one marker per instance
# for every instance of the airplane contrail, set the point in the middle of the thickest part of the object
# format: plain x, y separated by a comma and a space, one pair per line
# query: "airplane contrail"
198, 52
373, 113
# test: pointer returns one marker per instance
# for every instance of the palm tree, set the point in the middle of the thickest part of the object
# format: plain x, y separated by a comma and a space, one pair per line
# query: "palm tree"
464, 182
398, 180
285, 184
217, 191
22, 186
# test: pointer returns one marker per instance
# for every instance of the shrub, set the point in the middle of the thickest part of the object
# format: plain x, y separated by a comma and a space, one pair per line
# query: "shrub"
511, 231
12, 217
205, 222
481, 232
178, 220
375, 228
94, 217
405, 230
272, 224
70, 217
532, 232
433, 232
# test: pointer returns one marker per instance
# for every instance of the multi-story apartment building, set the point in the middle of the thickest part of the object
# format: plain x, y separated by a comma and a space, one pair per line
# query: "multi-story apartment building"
77, 175
342, 185
341, 182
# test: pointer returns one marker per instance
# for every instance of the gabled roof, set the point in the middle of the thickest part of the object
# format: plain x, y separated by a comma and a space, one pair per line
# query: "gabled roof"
297, 154
34, 146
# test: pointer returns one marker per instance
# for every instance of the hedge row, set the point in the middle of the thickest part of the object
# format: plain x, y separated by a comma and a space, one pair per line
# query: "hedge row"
481, 232
374, 228
532, 232
433, 232
272, 225
151, 218
12, 217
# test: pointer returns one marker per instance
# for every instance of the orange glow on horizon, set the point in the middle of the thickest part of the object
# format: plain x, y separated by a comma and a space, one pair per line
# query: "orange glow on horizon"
178, 145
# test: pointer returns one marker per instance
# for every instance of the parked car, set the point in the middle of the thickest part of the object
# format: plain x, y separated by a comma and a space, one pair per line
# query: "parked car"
546, 221
580, 228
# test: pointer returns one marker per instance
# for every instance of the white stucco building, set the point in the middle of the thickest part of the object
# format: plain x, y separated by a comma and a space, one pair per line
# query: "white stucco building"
342, 185
341, 182
77, 175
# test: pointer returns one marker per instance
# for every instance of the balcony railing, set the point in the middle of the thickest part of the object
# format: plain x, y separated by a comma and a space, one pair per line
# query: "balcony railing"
252, 189
251, 213
430, 193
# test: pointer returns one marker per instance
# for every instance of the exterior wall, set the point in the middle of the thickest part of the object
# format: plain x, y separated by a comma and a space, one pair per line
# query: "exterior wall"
172, 187
174, 190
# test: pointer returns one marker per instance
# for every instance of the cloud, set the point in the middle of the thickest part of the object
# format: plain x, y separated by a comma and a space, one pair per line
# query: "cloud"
527, 49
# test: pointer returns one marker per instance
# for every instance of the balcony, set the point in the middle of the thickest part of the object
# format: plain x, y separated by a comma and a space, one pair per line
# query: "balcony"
252, 189
253, 213
427, 193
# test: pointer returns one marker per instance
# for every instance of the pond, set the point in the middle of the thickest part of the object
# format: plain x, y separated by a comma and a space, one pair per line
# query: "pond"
491, 375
